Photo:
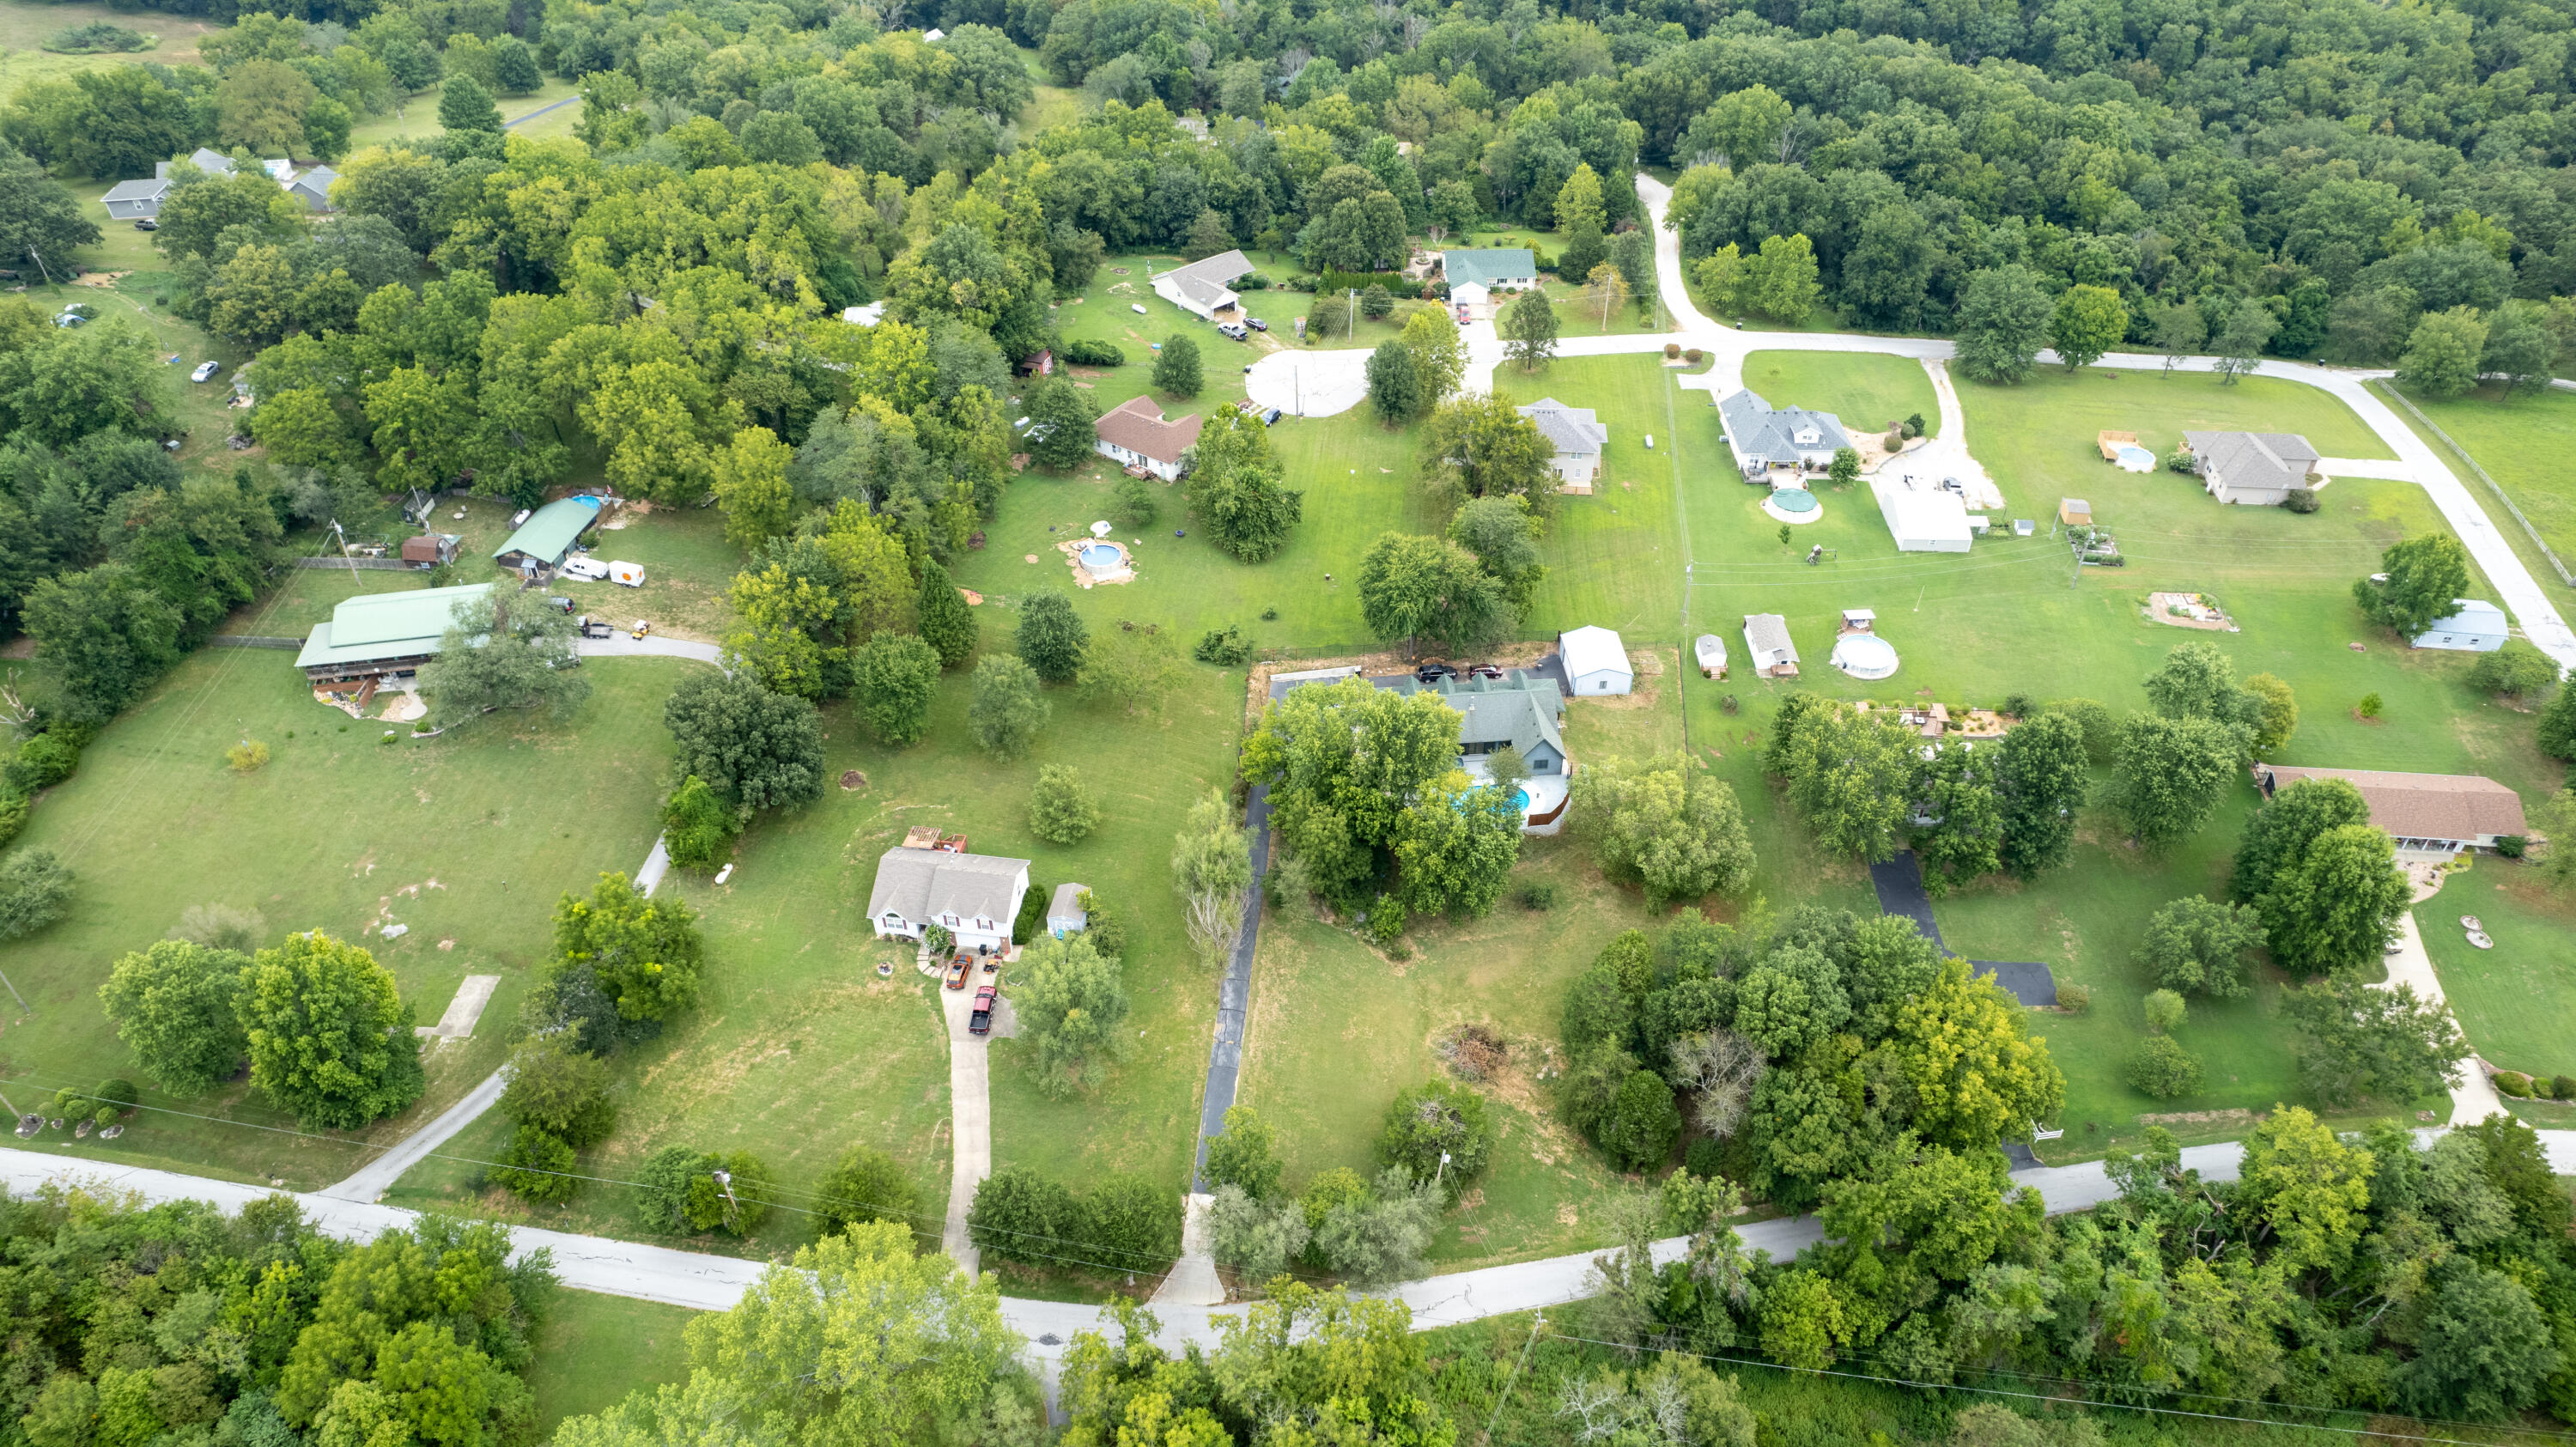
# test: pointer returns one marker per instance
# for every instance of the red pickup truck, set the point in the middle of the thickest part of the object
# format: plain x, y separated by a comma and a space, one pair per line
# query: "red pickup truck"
981, 1021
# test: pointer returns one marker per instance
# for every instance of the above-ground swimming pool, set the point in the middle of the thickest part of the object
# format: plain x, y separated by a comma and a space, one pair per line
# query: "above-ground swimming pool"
1793, 505
1864, 655
1102, 557
2134, 458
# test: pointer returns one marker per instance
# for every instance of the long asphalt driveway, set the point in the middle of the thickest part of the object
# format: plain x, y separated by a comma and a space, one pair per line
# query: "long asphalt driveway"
1234, 995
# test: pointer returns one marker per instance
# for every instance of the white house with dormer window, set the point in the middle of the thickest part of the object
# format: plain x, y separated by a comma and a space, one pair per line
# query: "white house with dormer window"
975, 897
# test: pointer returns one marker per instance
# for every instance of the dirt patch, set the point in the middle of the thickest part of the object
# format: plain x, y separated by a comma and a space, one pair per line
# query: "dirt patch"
2202, 1117
2188, 610
101, 279
854, 781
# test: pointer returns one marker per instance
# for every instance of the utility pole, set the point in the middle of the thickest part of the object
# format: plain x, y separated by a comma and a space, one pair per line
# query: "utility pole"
1537, 1326
1351, 323
345, 555
40, 265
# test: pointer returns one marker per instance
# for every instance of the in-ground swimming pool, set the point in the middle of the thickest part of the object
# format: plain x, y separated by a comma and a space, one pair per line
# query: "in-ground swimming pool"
2134, 458
1103, 557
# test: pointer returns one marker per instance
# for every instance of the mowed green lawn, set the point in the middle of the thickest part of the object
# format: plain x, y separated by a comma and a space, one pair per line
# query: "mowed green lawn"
1358, 478
467, 838
592, 1350
1866, 391
2522, 444
24, 28
1614, 558
2516, 1002
1337, 1028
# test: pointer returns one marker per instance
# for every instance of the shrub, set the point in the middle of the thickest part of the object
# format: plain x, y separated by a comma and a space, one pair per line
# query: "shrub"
1225, 647
2074, 999
117, 1093
2513, 1083
2507, 846
2300, 500
2517, 668
537, 1166
1094, 354
559, 1090
937, 939
1672, 350
1386, 919
2165, 1010
1538, 896
1428, 1120
1061, 810
697, 827
2162, 1068
2563, 1087
1693, 356
680, 1193
2180, 460
1136, 503
41, 762
13, 816
1914, 425
2369, 706
866, 1185
1704, 1158
1375, 302
1642, 1124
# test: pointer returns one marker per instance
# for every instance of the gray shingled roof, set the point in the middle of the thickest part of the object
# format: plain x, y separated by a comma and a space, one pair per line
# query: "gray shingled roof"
1767, 634
1760, 430
1205, 281
923, 884
2254, 459
1572, 429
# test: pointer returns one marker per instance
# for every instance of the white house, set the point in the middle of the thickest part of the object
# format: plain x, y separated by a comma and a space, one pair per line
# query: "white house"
1596, 662
1065, 914
1766, 642
1579, 437
1137, 434
2257, 468
1764, 437
975, 897
2478, 627
1204, 288
1921, 517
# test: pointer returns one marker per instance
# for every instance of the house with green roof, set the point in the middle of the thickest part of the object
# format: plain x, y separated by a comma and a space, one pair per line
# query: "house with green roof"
548, 534
382, 635
1520, 710
1475, 274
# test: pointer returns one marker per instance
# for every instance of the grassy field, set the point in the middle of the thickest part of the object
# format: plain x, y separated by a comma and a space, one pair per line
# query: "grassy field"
797, 1050
1613, 558
2516, 1002
2518, 440
1337, 1028
1868, 392
592, 1350
24, 28
467, 838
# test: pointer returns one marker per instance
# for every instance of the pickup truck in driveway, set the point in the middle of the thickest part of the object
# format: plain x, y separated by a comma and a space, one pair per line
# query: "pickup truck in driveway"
981, 1021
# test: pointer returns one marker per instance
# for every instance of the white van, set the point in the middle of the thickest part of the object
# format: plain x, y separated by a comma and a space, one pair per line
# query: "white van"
577, 566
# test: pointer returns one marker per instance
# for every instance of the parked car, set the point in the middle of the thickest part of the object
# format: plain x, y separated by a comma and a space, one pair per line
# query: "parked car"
592, 628
1269, 415
146, 223
958, 971
980, 1021
584, 568
205, 372
1433, 673
1485, 670
561, 602
1256, 323
1233, 330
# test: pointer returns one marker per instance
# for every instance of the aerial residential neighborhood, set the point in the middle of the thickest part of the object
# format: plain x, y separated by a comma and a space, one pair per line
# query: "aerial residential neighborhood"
1230, 726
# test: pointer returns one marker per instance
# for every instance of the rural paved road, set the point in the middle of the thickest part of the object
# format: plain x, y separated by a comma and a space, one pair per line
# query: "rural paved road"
541, 110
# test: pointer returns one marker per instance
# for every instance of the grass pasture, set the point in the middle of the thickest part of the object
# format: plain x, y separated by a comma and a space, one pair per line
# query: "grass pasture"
468, 838
24, 28
2516, 1002
592, 1350
2519, 441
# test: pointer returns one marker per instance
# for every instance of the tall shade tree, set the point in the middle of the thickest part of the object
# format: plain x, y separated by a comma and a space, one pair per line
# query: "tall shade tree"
1007, 708
2088, 321
1072, 1003
947, 620
2003, 320
38, 213
2041, 773
1052, 638
1975, 1067
1395, 389
1527, 326
894, 677
2442, 355
328, 1036
2171, 774
1439, 354
644, 953
1483, 447
2197, 944
1212, 873
2334, 906
1780, 279
1418, 588
2275, 714
2355, 1041
505, 650
1673, 830
1847, 774
857, 1339
751, 488
1236, 487
1343, 761
1954, 790
1176, 368
1503, 534
1456, 847
2425, 576
758, 749
172, 1004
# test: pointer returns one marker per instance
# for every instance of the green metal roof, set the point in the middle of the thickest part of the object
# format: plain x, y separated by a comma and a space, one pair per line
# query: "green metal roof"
1487, 264
548, 533
385, 625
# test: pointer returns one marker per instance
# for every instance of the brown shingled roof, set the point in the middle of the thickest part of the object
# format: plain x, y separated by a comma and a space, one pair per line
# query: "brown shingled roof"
2421, 806
1140, 427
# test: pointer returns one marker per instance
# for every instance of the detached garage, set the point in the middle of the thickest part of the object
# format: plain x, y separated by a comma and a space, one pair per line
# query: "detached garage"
1922, 520
1596, 662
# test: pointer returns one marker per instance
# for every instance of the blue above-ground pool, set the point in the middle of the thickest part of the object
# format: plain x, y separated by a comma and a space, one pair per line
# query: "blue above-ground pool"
1100, 557
2137, 459
1794, 499
1520, 798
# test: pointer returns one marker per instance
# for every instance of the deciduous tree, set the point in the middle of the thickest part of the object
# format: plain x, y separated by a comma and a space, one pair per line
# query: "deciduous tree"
2200, 944
1527, 326
1456, 846
1483, 447
2426, 576
2334, 905
172, 1004
1062, 810
2087, 321
2171, 774
1675, 830
644, 953
757, 749
1212, 873
1421, 588
1052, 638
1072, 1003
2040, 781
505, 650
328, 1035
895, 676
2355, 1041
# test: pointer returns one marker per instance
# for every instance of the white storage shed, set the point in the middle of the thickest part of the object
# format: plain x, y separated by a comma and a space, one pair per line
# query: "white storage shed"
1596, 662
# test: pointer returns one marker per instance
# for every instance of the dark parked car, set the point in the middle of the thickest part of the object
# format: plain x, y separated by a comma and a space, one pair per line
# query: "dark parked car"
1486, 670
1256, 323
980, 1022
147, 224
1433, 673
1269, 415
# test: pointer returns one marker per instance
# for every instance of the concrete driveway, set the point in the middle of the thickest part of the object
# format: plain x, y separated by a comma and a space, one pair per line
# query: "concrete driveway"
970, 1110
